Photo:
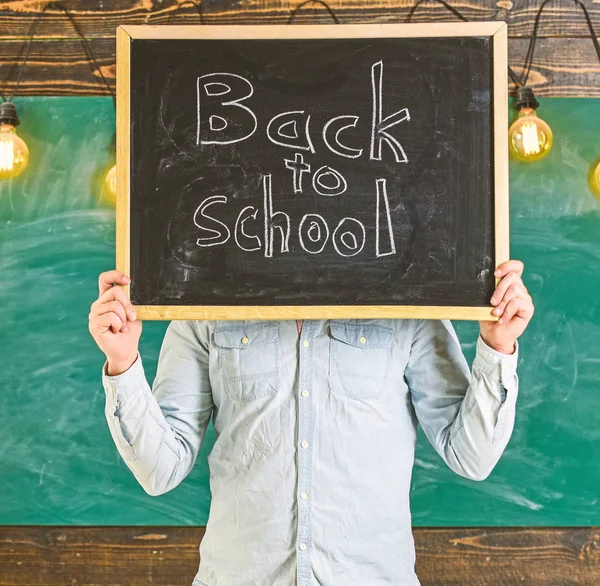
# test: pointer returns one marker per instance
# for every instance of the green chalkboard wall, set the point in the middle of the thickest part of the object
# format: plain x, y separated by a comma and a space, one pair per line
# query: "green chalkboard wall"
57, 462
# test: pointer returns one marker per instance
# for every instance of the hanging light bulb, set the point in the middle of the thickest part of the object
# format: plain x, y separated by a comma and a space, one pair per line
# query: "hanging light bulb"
595, 179
110, 181
14, 154
529, 137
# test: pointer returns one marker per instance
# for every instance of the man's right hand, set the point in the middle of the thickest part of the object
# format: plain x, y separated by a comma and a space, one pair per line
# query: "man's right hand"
113, 323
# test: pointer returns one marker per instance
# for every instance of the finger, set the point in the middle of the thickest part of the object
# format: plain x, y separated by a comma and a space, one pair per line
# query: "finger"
111, 307
517, 306
116, 293
502, 286
515, 266
107, 279
109, 321
515, 290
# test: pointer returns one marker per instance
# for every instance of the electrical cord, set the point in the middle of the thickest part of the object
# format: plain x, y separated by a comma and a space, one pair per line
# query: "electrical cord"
534, 36
303, 4
444, 4
198, 5
87, 47
462, 17
180, 5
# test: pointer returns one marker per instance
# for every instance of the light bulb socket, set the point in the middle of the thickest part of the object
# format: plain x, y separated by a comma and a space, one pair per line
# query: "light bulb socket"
8, 114
526, 98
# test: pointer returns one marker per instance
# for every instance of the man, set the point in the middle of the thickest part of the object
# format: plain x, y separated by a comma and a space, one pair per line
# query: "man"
316, 428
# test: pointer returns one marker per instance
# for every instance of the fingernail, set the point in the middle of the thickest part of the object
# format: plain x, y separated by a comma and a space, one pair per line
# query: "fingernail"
497, 272
125, 328
496, 311
500, 321
133, 316
126, 279
493, 300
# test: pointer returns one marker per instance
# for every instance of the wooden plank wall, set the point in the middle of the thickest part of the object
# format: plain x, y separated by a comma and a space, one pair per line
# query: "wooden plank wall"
141, 556
565, 65
565, 62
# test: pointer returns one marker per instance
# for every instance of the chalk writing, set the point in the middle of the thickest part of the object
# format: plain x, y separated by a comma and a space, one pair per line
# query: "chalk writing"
225, 121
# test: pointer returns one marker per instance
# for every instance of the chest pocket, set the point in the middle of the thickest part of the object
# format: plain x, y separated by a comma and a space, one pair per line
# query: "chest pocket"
359, 359
248, 359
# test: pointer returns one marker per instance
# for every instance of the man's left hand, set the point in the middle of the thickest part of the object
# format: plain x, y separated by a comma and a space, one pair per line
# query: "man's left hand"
513, 305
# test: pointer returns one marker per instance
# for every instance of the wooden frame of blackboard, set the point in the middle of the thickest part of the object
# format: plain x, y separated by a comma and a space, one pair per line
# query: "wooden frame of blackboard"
498, 33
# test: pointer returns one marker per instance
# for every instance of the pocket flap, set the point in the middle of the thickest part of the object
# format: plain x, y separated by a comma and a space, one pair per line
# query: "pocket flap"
246, 336
362, 335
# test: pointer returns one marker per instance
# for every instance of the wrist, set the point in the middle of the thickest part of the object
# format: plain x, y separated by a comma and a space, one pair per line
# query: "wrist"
119, 366
506, 350
501, 348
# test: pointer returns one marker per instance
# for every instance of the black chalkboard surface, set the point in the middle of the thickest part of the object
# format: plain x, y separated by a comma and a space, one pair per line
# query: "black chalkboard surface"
312, 171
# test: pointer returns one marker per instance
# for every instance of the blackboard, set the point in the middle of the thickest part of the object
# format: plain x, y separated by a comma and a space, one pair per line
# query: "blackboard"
312, 171
57, 234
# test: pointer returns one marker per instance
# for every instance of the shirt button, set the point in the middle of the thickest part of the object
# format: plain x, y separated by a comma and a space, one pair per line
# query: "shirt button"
304, 496
244, 340
305, 343
302, 546
304, 444
362, 340
305, 393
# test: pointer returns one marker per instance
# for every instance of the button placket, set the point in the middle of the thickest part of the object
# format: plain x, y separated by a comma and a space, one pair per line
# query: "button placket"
304, 455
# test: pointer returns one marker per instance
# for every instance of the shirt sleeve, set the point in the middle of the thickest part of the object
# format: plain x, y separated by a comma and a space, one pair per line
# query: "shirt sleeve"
159, 431
467, 415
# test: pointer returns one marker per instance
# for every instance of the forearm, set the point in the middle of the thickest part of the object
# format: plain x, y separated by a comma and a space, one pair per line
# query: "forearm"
153, 450
477, 437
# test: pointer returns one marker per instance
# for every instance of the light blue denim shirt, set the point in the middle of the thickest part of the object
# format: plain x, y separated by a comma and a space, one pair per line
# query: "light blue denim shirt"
315, 438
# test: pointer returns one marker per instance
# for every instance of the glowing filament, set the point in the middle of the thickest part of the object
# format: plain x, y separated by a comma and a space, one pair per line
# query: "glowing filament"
531, 142
7, 155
